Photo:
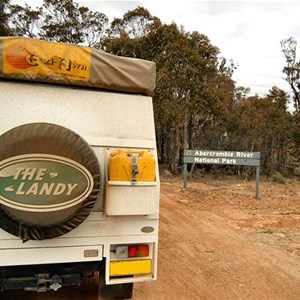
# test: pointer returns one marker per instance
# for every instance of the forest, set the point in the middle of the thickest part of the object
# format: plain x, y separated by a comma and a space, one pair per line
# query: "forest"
197, 104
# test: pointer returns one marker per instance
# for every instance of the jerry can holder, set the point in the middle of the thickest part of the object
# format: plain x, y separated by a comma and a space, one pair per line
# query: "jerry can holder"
123, 198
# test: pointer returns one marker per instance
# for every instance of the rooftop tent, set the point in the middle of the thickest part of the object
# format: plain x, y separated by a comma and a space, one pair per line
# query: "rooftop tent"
37, 60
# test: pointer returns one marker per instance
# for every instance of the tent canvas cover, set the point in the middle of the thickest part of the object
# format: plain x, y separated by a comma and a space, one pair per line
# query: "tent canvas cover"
37, 60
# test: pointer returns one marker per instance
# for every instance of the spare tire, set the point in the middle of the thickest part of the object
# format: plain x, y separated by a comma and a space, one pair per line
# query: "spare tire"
49, 181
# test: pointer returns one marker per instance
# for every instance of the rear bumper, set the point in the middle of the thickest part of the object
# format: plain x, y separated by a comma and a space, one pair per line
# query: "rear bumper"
36, 256
90, 242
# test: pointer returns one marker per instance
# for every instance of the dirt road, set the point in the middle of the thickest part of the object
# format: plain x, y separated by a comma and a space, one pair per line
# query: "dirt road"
218, 242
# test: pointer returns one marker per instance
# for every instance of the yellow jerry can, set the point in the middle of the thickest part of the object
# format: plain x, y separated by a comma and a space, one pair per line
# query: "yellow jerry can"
131, 165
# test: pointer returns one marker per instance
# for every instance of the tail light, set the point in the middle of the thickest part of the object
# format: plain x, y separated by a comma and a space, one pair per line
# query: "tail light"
130, 251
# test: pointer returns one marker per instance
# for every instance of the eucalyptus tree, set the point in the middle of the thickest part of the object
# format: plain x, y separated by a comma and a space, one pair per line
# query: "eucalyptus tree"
187, 95
134, 23
60, 21
292, 72
292, 68
263, 124
4, 27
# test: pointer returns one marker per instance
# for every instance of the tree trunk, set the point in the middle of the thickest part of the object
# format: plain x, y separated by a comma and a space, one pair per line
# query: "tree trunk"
175, 150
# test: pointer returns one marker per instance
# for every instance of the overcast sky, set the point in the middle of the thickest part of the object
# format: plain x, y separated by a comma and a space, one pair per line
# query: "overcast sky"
248, 32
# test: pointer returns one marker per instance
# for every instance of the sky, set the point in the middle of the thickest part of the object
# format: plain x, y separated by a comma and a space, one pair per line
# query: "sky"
246, 32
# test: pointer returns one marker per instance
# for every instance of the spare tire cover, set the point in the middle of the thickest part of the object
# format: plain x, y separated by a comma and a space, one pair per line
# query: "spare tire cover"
49, 181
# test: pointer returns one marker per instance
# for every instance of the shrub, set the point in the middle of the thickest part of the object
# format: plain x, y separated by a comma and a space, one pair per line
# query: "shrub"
297, 171
277, 177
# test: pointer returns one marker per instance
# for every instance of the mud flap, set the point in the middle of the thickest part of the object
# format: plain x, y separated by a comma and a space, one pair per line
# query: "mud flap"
115, 291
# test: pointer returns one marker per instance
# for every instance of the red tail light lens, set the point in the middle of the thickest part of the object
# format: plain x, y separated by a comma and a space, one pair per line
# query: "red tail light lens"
133, 251
138, 250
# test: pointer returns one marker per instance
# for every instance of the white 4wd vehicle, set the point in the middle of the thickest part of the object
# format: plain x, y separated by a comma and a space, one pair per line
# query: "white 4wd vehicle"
79, 184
